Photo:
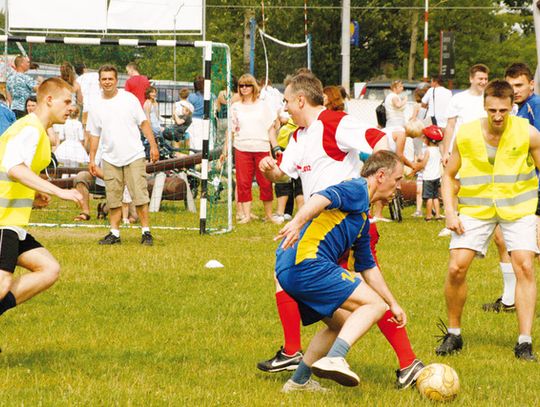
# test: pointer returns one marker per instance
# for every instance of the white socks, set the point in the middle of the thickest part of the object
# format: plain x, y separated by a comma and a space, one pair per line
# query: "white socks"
115, 232
524, 339
509, 279
454, 331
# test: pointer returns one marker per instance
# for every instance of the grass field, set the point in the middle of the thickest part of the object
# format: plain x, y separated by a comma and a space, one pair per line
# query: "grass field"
132, 325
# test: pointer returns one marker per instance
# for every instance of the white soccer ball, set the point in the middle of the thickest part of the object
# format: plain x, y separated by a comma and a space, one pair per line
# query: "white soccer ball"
438, 382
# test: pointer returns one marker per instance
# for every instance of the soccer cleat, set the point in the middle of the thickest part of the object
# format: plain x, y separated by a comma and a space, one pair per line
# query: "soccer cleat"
524, 351
280, 362
408, 375
498, 306
277, 219
147, 239
336, 369
310, 385
450, 343
110, 239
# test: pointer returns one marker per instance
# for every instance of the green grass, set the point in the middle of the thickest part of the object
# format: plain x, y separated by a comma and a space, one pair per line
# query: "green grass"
132, 325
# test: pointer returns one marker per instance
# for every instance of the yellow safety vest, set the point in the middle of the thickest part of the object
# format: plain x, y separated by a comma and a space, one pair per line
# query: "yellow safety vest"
16, 199
508, 188
285, 133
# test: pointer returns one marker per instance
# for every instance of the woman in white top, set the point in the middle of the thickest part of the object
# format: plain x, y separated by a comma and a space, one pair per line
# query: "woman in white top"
71, 151
253, 136
395, 103
150, 108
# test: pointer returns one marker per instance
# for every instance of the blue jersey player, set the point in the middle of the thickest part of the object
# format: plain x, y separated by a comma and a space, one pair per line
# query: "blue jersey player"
331, 223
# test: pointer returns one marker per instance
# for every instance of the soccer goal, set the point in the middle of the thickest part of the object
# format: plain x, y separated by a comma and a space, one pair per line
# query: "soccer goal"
192, 192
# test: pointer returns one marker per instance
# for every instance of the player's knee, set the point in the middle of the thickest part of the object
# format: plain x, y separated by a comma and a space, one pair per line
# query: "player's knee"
51, 272
380, 308
456, 273
524, 269
5, 283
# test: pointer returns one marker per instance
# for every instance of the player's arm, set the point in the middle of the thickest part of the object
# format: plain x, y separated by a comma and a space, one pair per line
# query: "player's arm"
400, 150
448, 133
449, 191
291, 231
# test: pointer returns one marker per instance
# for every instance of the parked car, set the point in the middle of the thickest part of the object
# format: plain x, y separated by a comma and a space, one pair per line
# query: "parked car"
373, 94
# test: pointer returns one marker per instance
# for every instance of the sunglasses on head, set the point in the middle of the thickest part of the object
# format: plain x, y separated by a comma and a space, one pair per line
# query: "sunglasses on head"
245, 85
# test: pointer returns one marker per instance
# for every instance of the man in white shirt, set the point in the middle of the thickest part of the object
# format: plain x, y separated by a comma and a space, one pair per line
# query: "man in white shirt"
116, 119
24, 152
91, 91
436, 100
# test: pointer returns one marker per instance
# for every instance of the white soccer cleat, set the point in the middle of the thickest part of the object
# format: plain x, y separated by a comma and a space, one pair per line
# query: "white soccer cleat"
310, 385
336, 369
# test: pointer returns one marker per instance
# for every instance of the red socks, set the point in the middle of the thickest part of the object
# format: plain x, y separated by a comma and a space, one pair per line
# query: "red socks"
398, 339
290, 321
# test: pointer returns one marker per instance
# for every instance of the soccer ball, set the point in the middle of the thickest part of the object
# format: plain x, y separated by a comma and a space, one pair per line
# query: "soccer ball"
438, 382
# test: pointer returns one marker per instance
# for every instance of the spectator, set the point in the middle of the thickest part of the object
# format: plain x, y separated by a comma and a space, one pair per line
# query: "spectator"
71, 152
150, 108
30, 104
197, 100
136, 82
437, 99
395, 103
20, 85
345, 96
116, 119
431, 164
7, 117
333, 99
67, 73
89, 84
254, 136
222, 113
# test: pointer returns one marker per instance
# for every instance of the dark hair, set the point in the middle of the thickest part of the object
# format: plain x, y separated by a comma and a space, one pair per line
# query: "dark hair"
149, 90
383, 159
108, 68
517, 69
198, 84
478, 68
67, 72
335, 98
310, 86
2, 97
79, 68
499, 88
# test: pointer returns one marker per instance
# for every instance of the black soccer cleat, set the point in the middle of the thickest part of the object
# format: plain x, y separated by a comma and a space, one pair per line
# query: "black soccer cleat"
524, 351
280, 362
498, 306
407, 376
110, 239
147, 239
450, 343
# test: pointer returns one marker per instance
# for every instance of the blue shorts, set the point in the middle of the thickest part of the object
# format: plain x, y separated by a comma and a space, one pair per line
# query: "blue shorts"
319, 287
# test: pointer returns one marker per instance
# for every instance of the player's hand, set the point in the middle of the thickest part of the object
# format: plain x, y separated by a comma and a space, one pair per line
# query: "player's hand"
290, 233
154, 153
400, 318
70, 195
267, 164
92, 168
41, 200
454, 224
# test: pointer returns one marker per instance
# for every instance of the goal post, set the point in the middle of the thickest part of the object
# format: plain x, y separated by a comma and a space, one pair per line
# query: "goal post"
209, 163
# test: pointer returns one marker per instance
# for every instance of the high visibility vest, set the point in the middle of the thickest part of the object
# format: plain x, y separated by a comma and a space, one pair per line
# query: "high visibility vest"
508, 187
15, 198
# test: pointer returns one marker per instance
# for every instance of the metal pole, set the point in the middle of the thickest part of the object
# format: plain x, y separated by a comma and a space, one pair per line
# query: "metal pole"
309, 42
346, 44
426, 15
252, 34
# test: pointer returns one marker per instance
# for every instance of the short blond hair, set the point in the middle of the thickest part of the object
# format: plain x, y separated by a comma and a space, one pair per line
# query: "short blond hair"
413, 128
51, 86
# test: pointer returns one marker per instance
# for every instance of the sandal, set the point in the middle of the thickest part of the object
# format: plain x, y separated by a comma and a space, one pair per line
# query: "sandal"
83, 216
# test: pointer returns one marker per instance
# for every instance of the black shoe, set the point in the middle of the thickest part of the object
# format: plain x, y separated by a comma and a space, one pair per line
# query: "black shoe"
450, 343
147, 239
524, 351
408, 375
281, 362
110, 239
498, 306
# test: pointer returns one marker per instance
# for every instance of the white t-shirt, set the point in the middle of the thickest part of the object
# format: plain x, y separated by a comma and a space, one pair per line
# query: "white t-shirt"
325, 158
272, 97
408, 149
432, 171
116, 121
20, 149
394, 116
252, 122
90, 89
465, 107
438, 106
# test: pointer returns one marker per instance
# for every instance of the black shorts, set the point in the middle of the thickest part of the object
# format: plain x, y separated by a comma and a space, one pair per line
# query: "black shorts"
430, 189
293, 187
11, 248
538, 204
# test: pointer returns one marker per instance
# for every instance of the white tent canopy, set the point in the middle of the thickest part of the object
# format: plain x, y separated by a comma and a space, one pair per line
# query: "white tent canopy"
93, 15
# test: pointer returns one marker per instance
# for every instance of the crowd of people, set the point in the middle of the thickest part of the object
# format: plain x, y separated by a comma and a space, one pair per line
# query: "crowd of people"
480, 155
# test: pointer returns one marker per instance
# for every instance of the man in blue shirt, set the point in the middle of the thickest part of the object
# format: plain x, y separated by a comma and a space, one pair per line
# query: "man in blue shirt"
7, 117
20, 85
334, 223
521, 78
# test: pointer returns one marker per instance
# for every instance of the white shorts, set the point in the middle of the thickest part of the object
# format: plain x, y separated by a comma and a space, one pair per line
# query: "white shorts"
518, 234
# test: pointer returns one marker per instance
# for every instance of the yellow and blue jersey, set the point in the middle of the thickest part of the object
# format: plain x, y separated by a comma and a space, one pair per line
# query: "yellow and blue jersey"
342, 226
